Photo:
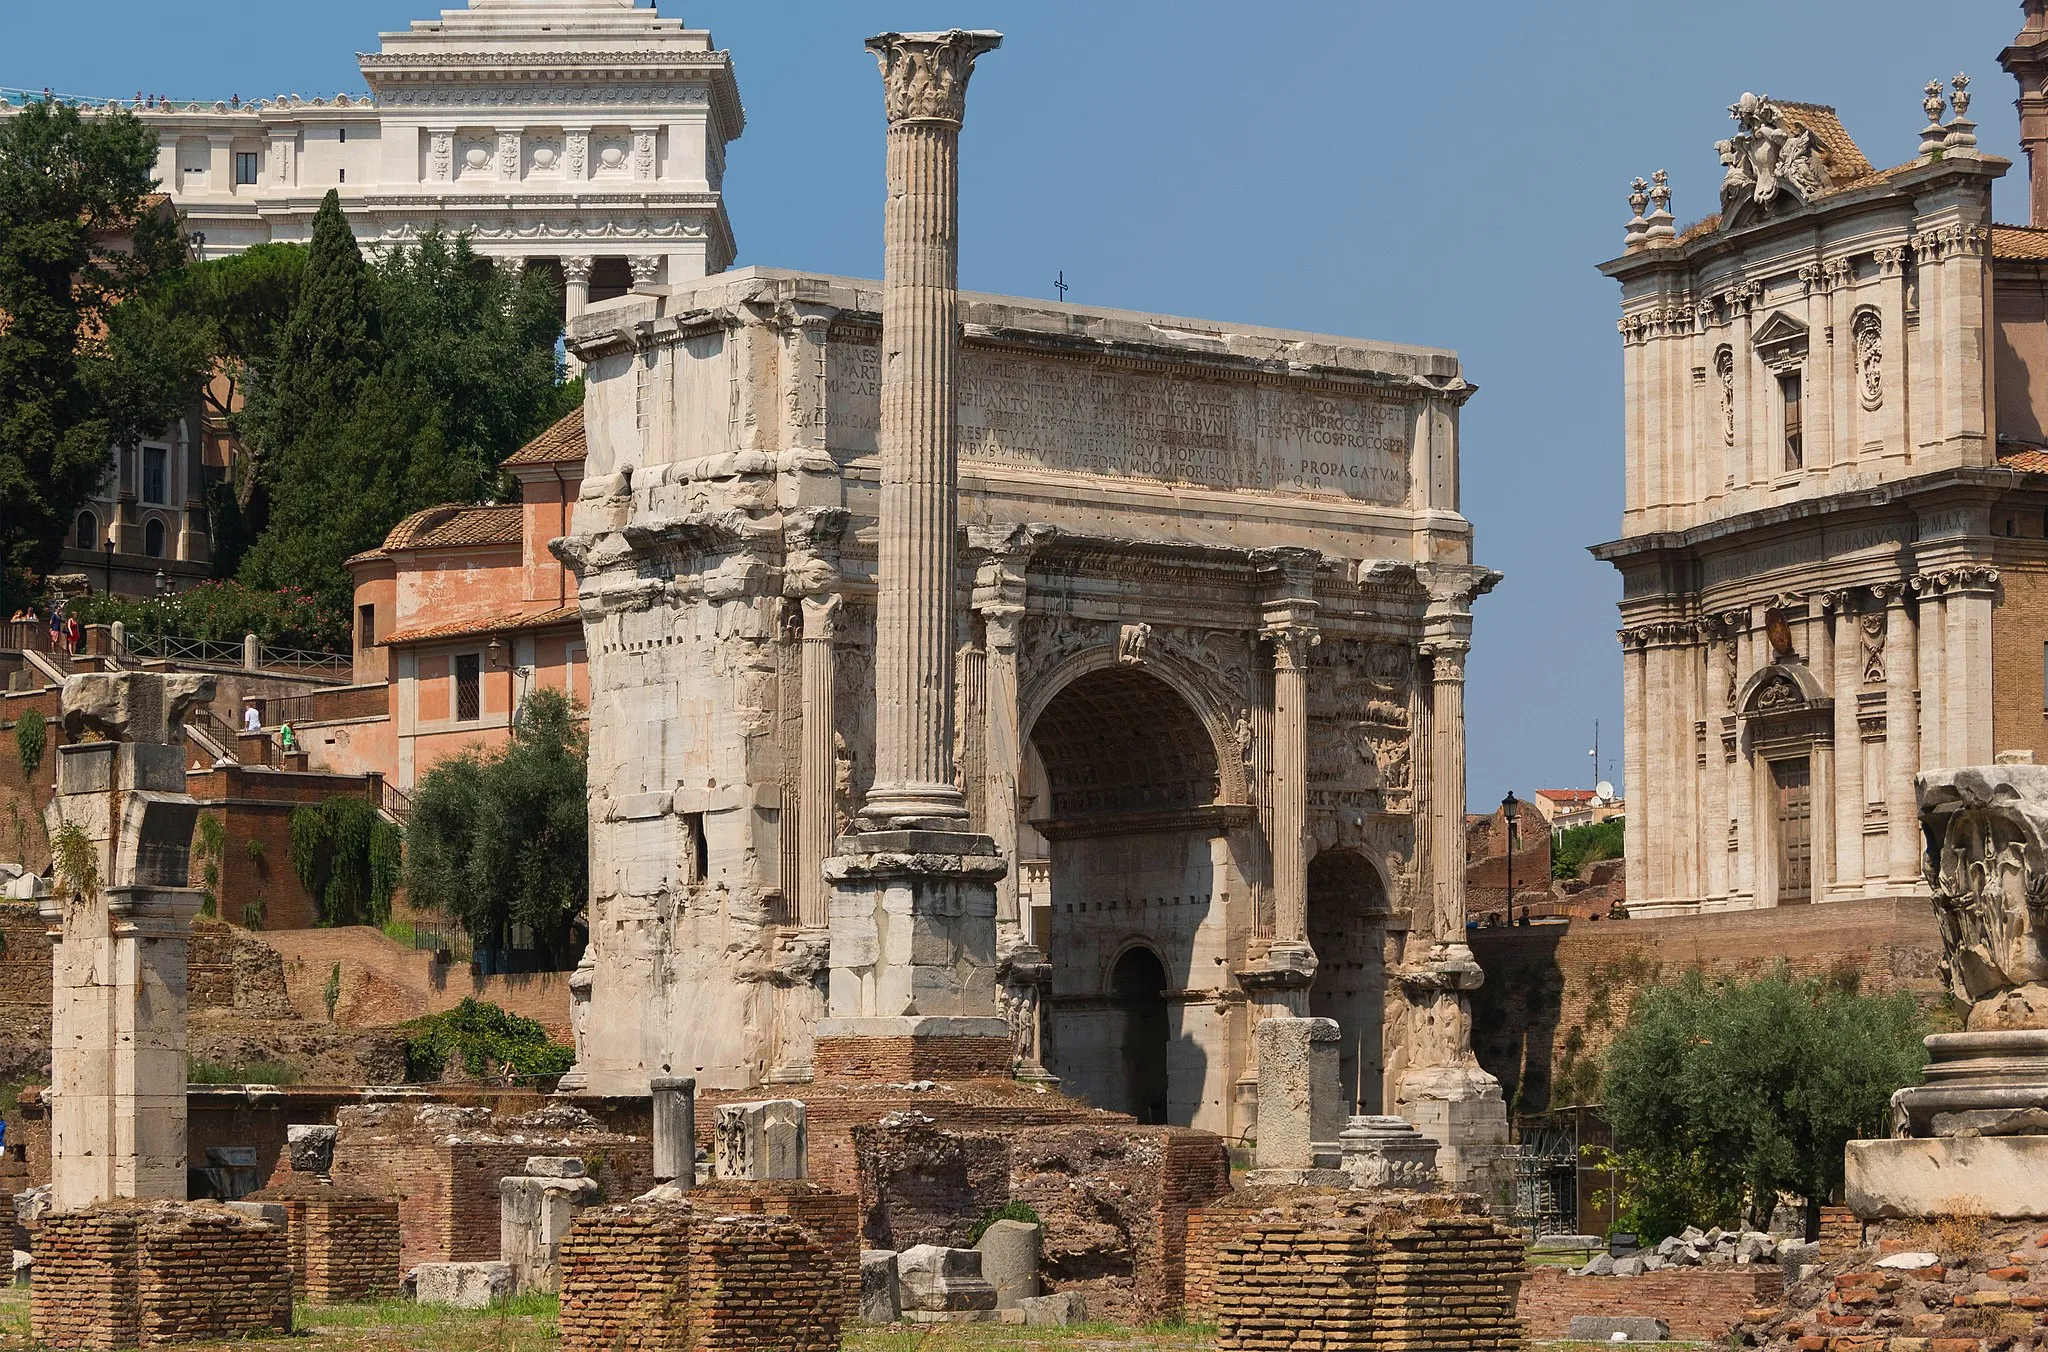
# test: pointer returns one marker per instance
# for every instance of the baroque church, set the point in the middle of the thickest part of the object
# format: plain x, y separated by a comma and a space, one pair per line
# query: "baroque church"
1834, 548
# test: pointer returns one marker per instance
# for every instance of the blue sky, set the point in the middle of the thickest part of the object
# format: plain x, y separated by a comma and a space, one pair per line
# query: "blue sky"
1434, 173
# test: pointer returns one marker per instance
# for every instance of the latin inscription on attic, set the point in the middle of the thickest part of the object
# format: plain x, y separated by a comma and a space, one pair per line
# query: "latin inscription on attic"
1131, 424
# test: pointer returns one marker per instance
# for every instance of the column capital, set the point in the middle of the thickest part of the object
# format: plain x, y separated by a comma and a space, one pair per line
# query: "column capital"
1003, 625
821, 617
924, 75
1446, 657
646, 267
810, 543
576, 271
1291, 639
1890, 593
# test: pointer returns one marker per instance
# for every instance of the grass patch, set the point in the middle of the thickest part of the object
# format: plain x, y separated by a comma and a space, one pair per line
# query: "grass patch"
252, 1072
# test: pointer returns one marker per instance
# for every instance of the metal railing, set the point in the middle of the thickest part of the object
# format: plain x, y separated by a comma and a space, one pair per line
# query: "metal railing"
211, 652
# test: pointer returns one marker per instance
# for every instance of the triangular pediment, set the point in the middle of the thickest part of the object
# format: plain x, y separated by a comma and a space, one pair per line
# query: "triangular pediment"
1780, 328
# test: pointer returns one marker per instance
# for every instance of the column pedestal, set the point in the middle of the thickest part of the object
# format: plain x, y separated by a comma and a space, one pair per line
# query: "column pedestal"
913, 985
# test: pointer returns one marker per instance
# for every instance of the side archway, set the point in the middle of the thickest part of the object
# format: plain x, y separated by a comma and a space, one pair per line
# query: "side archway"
1347, 927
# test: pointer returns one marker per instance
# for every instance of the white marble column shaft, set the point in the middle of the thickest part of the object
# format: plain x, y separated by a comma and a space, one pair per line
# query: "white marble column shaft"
817, 826
1290, 783
1901, 737
1447, 805
925, 78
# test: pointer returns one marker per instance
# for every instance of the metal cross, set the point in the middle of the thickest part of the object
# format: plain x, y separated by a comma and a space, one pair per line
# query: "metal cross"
1060, 284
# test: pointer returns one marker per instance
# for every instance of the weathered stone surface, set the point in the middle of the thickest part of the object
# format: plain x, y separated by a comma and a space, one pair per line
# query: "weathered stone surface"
674, 1106
534, 1213
555, 1166
761, 1141
2003, 1176
1916, 1260
310, 1148
1386, 1152
936, 1280
1061, 1307
881, 1297
1993, 1122
464, 1286
1010, 1260
1594, 1328
26, 887
1300, 1099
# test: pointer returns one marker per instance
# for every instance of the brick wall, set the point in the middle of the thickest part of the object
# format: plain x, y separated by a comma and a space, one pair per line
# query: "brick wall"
673, 1276
1698, 1303
256, 805
2018, 626
921, 1184
1387, 1281
448, 1179
913, 1058
1556, 994
832, 1219
1233, 1216
1115, 1202
343, 1247
127, 1275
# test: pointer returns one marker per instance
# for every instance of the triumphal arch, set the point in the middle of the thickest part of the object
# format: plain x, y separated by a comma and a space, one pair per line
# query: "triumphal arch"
1212, 595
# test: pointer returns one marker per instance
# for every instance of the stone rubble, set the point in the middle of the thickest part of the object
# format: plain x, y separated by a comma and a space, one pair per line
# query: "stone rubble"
1692, 1248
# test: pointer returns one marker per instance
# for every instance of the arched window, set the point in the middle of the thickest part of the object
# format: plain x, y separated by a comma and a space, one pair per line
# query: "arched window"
88, 536
153, 538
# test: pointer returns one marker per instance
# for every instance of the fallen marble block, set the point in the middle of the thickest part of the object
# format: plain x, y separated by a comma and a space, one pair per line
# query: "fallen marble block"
463, 1286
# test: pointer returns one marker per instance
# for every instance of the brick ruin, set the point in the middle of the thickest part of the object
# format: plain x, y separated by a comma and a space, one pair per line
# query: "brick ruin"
1325, 1270
674, 1275
344, 1246
1114, 1199
1959, 1283
136, 1274
446, 1163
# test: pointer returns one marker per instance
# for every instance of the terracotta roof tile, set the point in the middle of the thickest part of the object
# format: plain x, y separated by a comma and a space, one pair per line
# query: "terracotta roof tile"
2018, 242
2028, 460
560, 444
1845, 160
504, 622
454, 525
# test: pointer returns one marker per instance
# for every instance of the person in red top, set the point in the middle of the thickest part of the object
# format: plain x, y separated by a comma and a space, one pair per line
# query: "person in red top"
73, 633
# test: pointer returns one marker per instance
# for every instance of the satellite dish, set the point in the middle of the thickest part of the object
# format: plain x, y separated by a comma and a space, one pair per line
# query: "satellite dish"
1604, 790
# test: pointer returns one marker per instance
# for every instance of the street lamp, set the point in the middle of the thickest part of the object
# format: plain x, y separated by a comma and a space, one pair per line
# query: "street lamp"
1507, 807
110, 560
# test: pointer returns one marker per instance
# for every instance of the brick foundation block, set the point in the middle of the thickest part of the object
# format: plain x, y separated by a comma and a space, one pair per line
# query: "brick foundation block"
913, 1058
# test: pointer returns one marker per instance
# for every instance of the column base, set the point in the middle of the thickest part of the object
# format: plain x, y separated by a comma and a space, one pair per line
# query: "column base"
1461, 1108
1278, 981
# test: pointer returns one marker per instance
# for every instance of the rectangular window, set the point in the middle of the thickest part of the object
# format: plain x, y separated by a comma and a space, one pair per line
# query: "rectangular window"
366, 627
344, 135
344, 176
248, 165
699, 860
1795, 448
469, 688
156, 474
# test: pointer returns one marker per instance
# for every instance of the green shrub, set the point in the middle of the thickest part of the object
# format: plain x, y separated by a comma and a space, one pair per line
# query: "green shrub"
252, 1072
223, 612
485, 1039
1008, 1211
31, 733
1579, 846
348, 857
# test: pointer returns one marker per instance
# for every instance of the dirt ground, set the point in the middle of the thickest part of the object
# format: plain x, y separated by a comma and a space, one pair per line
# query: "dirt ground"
528, 1325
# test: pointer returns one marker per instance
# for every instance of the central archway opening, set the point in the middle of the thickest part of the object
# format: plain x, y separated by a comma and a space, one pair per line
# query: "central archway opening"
1138, 986
1140, 867
1347, 927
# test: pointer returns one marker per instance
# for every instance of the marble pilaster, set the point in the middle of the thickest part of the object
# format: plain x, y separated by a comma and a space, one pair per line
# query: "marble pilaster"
1901, 735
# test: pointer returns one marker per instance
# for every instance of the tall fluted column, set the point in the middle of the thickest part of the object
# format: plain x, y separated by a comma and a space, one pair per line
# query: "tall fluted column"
925, 77
817, 826
1291, 645
1447, 809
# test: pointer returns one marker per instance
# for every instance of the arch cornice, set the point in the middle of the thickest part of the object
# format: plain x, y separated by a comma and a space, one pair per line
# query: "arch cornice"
1182, 677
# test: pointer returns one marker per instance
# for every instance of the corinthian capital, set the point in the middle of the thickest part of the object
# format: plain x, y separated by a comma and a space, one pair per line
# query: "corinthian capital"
924, 75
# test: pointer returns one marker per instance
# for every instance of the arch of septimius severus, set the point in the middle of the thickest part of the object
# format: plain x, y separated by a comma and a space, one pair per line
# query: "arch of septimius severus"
1211, 598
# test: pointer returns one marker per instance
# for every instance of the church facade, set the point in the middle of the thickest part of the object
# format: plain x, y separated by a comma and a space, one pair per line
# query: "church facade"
1215, 598
1833, 558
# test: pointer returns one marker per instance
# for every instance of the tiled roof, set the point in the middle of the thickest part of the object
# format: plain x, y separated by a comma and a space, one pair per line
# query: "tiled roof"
2026, 460
455, 525
560, 444
1845, 160
504, 622
2018, 241
1566, 795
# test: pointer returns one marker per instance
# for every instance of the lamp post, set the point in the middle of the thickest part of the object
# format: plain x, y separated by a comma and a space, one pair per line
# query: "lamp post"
110, 561
1507, 807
